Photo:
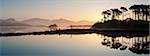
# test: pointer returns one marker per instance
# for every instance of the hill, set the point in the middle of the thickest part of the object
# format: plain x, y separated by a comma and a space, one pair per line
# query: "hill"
59, 22
11, 22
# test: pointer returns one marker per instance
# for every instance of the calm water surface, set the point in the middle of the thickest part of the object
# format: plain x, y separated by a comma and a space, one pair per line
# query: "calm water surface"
69, 45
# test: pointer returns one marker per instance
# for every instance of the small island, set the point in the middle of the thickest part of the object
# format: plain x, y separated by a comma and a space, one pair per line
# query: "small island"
138, 22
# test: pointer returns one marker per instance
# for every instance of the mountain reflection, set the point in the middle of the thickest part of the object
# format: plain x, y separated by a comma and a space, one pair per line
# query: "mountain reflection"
133, 41
21, 29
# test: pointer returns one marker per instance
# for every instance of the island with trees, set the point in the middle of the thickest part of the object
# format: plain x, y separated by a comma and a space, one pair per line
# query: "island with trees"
137, 19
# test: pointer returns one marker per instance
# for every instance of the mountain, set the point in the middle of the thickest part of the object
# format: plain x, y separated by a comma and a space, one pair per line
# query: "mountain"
59, 22
37, 21
62, 22
11, 22
84, 22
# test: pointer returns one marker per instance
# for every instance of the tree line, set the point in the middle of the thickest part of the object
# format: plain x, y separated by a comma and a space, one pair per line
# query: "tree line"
138, 12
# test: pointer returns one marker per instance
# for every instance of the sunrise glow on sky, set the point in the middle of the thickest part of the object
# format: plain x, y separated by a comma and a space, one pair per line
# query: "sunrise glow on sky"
74, 10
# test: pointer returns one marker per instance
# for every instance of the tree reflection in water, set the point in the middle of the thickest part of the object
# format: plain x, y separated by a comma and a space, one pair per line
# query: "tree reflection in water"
138, 43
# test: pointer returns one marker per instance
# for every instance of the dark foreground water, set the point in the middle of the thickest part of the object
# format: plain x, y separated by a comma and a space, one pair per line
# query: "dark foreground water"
73, 45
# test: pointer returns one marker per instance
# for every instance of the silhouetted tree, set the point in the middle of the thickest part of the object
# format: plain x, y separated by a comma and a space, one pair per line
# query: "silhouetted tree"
145, 11
123, 10
53, 27
139, 10
134, 10
106, 14
116, 13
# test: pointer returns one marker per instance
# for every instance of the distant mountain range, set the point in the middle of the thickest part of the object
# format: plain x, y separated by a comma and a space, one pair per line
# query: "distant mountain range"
59, 22
11, 22
39, 21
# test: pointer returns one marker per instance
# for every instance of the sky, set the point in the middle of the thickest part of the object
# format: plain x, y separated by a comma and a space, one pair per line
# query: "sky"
74, 10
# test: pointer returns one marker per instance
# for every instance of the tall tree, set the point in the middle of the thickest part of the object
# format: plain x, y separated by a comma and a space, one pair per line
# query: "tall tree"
134, 10
106, 14
147, 11
143, 10
123, 10
116, 13
139, 10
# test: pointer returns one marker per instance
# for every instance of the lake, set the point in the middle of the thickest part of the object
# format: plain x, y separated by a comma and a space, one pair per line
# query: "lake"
74, 45
15, 29
68, 45
24, 29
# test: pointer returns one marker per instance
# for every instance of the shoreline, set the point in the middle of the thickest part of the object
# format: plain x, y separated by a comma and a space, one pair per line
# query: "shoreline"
75, 31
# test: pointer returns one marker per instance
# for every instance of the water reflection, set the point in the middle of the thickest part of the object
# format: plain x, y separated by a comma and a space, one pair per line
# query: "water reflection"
22, 29
133, 41
11, 29
102, 44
